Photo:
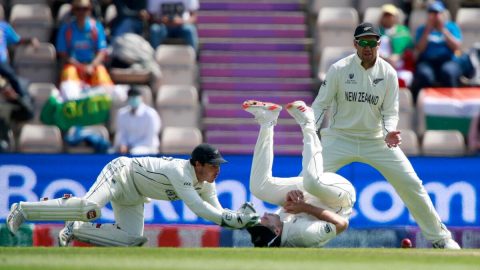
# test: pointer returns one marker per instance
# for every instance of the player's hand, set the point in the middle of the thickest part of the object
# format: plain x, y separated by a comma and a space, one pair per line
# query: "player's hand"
236, 220
294, 196
295, 207
393, 139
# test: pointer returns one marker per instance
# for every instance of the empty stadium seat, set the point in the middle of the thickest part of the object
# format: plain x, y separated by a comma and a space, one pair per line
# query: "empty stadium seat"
178, 64
179, 140
40, 92
36, 64
2, 13
373, 15
330, 55
83, 147
406, 109
64, 12
32, 20
316, 5
469, 23
178, 106
335, 27
364, 4
40, 139
443, 143
29, 2
410, 145
130, 75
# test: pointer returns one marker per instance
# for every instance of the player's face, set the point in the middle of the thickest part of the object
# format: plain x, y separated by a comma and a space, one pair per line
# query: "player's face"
207, 172
367, 49
271, 221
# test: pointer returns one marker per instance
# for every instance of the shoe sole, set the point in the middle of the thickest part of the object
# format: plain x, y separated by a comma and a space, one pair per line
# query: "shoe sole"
300, 105
258, 104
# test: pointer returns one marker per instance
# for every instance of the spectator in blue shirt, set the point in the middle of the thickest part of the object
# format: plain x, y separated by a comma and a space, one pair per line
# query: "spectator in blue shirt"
132, 17
8, 37
437, 42
81, 44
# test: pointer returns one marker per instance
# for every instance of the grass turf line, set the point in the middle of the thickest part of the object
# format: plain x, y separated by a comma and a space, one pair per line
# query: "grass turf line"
236, 258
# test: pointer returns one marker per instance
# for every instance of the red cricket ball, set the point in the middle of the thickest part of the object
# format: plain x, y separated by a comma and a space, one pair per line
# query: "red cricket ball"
406, 243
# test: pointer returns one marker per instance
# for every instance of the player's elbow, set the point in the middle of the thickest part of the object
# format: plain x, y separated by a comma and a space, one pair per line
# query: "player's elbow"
341, 225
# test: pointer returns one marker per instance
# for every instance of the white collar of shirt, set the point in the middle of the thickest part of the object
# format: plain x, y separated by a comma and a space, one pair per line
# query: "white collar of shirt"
357, 59
140, 110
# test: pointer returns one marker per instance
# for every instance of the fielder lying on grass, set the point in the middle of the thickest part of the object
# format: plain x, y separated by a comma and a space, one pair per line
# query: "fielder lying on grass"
128, 183
316, 206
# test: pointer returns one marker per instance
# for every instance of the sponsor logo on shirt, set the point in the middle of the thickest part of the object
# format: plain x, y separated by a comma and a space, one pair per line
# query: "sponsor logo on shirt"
363, 97
187, 184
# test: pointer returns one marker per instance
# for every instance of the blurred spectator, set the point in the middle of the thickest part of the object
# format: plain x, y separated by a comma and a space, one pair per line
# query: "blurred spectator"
13, 108
8, 36
173, 19
437, 41
81, 43
396, 43
138, 127
131, 17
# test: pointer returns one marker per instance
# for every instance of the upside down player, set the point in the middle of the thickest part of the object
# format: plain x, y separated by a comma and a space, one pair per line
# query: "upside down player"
362, 91
316, 205
128, 183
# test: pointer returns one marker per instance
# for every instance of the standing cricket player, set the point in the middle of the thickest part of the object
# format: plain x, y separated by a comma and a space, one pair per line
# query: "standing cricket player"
128, 183
316, 205
362, 92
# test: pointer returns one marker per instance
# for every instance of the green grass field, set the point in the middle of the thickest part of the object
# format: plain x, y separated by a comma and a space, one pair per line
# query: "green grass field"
236, 258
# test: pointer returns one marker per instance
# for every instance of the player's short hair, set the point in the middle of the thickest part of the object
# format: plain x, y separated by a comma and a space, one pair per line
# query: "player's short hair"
262, 236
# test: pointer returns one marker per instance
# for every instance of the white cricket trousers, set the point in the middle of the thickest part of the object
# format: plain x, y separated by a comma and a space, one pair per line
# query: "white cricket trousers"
113, 185
325, 186
340, 149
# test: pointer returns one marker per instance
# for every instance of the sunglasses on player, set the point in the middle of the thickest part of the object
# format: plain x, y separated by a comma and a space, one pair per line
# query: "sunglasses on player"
367, 43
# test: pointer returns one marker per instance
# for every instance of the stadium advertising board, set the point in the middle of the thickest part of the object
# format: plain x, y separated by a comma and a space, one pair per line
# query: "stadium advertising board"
452, 183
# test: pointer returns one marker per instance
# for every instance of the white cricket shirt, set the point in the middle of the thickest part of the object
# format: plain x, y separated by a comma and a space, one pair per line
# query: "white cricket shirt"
363, 103
174, 179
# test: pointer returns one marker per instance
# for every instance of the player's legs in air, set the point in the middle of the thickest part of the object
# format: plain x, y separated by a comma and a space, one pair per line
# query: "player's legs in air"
330, 188
262, 184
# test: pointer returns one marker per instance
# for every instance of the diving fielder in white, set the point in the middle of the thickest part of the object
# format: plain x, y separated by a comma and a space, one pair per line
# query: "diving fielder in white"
128, 183
362, 92
316, 206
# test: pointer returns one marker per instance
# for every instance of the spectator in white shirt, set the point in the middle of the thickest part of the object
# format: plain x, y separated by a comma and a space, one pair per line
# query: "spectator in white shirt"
138, 127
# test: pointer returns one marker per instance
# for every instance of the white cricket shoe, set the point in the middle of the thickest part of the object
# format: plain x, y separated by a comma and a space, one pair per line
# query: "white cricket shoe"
66, 234
301, 112
264, 112
15, 218
447, 243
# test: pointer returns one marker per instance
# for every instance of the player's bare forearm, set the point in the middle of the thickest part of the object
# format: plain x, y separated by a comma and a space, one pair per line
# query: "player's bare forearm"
340, 223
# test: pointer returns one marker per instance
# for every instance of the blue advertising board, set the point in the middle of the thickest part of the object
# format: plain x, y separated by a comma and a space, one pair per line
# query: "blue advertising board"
452, 184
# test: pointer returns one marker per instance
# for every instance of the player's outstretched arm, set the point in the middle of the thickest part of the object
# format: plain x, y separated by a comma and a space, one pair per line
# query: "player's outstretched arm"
341, 224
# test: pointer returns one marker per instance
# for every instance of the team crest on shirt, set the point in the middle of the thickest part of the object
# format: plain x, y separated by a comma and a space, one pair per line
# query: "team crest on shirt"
324, 83
350, 79
376, 81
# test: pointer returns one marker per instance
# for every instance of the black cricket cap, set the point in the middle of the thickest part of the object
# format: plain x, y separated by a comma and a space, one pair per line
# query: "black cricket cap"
206, 153
262, 236
366, 29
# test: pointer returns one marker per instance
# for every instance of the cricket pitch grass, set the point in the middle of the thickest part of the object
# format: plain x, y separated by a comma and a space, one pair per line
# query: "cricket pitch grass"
236, 258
